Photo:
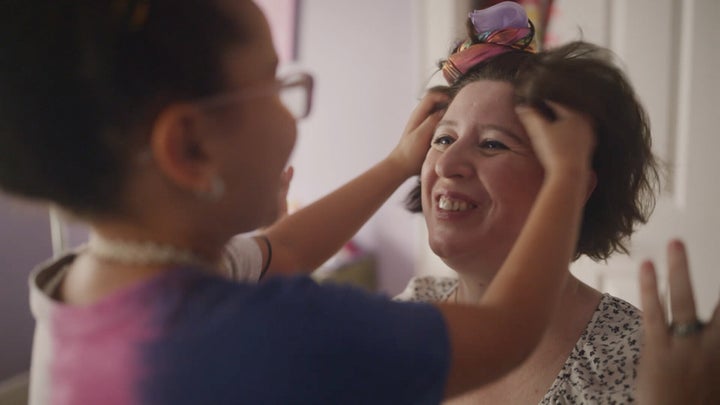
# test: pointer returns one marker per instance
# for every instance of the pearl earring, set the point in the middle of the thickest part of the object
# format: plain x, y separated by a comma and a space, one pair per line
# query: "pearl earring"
216, 190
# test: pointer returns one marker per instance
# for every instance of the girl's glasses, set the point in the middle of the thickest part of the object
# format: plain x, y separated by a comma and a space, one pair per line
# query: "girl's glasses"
295, 92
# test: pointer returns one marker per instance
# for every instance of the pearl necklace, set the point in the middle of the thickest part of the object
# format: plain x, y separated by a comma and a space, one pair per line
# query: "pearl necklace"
141, 253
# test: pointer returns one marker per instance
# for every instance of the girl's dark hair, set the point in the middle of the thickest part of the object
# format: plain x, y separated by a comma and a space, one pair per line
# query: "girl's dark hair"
78, 77
583, 76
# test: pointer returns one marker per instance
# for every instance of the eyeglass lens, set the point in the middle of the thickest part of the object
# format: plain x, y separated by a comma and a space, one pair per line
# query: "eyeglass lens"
296, 94
295, 99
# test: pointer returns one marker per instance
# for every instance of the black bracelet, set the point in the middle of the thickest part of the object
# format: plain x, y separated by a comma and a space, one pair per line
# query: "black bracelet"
269, 255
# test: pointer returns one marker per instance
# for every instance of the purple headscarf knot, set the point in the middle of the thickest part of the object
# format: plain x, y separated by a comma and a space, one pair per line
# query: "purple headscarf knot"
501, 28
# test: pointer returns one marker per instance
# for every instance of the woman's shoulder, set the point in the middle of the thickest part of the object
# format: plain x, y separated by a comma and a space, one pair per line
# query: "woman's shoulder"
428, 289
613, 334
602, 366
617, 318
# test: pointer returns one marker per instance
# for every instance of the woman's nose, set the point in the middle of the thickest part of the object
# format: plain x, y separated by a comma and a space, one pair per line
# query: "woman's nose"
454, 162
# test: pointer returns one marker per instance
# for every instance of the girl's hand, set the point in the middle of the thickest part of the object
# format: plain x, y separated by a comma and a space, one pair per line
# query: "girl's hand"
410, 152
563, 143
285, 179
680, 363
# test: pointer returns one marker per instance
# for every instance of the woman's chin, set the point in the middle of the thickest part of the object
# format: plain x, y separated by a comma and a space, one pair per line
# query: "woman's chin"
444, 249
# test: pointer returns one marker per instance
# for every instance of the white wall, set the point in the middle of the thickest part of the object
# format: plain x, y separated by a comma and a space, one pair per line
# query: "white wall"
24, 242
363, 55
667, 49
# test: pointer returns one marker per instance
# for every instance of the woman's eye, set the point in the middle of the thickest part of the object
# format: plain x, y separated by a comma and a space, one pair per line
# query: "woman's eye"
493, 145
442, 141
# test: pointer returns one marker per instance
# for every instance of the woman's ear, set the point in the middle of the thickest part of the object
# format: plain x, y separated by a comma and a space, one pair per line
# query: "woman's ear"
178, 143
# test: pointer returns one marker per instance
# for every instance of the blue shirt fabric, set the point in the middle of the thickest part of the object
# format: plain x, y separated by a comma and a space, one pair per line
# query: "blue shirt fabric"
200, 339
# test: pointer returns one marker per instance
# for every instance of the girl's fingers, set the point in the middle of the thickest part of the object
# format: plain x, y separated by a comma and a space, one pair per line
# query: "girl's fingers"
286, 178
427, 105
682, 302
560, 110
289, 173
653, 313
713, 326
533, 121
426, 128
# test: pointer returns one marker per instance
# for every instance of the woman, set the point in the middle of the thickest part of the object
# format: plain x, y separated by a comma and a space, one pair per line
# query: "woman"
160, 124
482, 176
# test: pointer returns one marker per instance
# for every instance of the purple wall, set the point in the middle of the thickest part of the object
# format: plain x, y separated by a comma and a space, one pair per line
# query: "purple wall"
24, 242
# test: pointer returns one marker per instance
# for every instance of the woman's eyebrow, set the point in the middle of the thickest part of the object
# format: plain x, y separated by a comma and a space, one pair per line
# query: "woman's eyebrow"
485, 127
504, 130
449, 123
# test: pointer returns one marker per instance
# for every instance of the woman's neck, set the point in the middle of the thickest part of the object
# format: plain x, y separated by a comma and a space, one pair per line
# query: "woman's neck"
528, 382
471, 287
576, 297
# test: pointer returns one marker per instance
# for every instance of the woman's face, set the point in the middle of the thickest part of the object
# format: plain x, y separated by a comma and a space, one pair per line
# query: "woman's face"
259, 133
479, 179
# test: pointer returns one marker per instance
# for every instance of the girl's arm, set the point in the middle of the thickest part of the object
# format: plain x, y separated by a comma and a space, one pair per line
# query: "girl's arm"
307, 238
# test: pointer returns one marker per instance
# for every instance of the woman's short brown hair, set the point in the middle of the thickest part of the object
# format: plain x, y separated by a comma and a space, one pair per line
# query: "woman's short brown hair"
583, 76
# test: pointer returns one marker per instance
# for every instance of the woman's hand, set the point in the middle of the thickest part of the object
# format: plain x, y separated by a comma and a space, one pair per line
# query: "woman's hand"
410, 152
680, 363
563, 143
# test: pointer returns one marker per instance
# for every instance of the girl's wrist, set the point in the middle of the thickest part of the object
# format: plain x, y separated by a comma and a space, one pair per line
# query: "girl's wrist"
397, 166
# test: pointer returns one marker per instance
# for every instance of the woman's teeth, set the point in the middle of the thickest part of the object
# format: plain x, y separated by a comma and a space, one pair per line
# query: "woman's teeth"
448, 204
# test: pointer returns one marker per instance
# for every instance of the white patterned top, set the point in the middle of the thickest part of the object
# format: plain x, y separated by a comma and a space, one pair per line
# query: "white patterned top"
602, 367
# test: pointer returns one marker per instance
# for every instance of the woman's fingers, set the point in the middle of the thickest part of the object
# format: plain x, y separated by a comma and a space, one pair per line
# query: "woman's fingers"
680, 364
682, 301
653, 312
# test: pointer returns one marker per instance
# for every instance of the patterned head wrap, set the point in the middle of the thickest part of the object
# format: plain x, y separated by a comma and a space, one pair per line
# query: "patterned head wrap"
501, 28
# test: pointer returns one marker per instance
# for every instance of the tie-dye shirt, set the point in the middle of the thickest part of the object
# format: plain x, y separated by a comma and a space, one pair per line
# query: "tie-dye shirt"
187, 337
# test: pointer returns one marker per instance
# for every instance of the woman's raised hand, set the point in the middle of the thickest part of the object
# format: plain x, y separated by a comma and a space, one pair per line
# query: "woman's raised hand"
680, 361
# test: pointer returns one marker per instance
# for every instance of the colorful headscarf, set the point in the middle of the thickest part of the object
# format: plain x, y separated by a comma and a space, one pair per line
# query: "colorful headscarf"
501, 28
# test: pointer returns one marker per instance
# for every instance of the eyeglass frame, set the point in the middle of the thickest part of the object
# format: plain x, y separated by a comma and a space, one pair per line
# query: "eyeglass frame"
303, 80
